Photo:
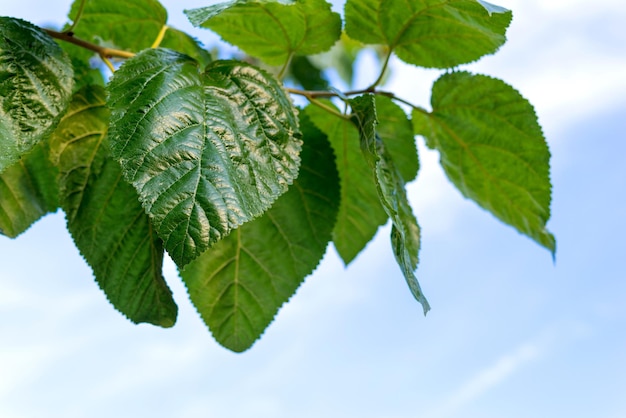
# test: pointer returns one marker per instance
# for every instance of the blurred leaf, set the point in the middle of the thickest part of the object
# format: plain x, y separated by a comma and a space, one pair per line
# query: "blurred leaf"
492, 149
271, 30
28, 191
240, 283
35, 87
181, 42
206, 151
429, 33
105, 217
405, 232
307, 75
360, 212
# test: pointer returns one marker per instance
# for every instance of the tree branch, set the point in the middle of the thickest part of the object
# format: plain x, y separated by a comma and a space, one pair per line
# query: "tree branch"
100, 50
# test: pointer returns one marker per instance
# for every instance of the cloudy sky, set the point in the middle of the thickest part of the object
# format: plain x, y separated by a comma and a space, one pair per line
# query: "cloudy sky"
511, 334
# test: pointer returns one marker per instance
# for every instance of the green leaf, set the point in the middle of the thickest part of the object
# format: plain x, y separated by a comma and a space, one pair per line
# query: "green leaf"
28, 191
206, 151
307, 75
360, 212
241, 282
181, 42
492, 149
271, 30
105, 217
35, 87
396, 132
405, 232
127, 25
429, 33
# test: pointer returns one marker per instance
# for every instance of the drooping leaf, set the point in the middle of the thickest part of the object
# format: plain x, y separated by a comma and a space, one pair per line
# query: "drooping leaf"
341, 58
396, 132
360, 212
429, 33
35, 87
271, 30
405, 232
28, 191
182, 42
105, 217
127, 25
492, 149
206, 151
239, 284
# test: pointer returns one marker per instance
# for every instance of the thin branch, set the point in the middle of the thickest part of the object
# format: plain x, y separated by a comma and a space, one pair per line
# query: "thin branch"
100, 50
309, 94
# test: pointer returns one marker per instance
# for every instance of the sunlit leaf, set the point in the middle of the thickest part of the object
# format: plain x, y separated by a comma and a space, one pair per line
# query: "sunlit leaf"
360, 212
271, 30
492, 149
206, 150
28, 191
429, 33
405, 232
36, 81
127, 25
105, 217
239, 284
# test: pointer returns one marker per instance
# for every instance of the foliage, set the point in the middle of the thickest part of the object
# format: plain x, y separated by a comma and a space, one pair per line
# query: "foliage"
210, 161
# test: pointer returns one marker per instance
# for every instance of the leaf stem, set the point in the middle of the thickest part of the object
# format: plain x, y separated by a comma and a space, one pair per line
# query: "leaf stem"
382, 71
100, 50
108, 63
160, 37
283, 70
81, 7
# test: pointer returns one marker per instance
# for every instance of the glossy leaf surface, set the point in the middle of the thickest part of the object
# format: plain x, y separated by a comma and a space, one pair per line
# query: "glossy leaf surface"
405, 232
360, 212
182, 42
36, 81
429, 33
28, 191
271, 30
105, 217
239, 284
492, 149
206, 150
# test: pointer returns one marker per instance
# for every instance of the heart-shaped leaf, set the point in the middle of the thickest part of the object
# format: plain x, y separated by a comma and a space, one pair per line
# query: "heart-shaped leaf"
36, 82
241, 282
206, 150
271, 30
492, 149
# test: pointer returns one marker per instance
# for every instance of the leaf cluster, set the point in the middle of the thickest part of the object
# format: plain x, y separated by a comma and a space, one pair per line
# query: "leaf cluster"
209, 160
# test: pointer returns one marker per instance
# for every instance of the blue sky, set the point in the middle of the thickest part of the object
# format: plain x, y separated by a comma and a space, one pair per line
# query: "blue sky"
511, 334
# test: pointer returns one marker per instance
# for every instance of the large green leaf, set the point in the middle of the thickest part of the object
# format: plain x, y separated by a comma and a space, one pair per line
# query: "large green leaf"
105, 217
429, 33
240, 283
206, 150
492, 149
128, 25
271, 30
35, 87
28, 191
405, 232
360, 212
396, 132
